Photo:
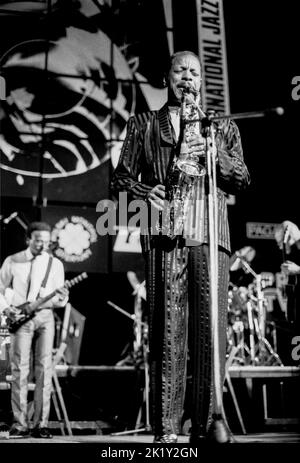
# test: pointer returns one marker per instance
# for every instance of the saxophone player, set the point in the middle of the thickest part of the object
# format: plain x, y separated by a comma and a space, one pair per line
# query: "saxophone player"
177, 270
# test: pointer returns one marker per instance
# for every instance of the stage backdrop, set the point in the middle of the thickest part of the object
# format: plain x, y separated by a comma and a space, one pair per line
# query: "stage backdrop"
74, 71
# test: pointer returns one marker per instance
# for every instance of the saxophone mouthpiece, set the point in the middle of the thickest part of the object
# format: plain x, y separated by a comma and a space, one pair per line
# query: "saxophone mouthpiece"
190, 90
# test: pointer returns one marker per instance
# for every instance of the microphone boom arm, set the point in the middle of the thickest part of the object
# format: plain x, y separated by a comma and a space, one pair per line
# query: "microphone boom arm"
277, 111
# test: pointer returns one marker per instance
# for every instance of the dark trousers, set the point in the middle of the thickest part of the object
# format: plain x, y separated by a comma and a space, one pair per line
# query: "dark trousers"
179, 327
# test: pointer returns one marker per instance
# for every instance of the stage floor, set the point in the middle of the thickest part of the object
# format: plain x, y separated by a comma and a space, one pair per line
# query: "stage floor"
268, 438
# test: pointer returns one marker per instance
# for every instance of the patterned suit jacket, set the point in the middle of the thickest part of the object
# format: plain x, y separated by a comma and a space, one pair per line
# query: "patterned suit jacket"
146, 155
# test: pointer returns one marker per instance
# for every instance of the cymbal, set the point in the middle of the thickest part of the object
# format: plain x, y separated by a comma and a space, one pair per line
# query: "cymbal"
246, 254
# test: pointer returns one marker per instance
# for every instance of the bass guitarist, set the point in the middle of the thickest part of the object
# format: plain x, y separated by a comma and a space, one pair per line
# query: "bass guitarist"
32, 273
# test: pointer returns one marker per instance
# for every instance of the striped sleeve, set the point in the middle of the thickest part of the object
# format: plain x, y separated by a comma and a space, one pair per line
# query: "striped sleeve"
233, 174
125, 176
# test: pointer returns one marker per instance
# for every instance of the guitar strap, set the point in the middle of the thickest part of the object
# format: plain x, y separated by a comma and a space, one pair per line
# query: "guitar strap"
29, 278
44, 282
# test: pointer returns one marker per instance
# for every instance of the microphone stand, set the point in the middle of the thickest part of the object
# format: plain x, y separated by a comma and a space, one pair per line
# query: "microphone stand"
218, 430
142, 329
217, 427
277, 111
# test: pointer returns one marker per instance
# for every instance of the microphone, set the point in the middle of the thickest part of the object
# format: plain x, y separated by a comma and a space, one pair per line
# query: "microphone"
278, 111
10, 217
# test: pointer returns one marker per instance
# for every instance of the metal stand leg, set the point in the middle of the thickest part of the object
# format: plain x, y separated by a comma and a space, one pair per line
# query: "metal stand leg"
141, 341
147, 427
139, 417
235, 402
232, 355
265, 401
57, 394
251, 334
57, 411
62, 403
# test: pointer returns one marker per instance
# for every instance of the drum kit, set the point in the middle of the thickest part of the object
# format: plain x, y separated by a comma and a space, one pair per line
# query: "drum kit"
250, 335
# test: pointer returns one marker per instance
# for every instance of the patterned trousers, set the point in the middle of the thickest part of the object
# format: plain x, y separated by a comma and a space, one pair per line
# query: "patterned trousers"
180, 334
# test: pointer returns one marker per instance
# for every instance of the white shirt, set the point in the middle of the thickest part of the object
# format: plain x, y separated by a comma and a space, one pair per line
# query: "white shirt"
175, 119
14, 273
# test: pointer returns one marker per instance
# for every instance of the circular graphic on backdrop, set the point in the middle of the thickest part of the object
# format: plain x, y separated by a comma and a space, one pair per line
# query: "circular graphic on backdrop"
73, 237
38, 81
64, 99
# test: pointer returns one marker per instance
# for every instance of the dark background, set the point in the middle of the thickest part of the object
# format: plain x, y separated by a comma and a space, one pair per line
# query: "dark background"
263, 57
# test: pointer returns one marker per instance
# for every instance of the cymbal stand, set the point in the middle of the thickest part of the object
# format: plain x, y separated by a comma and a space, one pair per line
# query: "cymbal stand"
251, 332
250, 317
264, 351
260, 307
145, 351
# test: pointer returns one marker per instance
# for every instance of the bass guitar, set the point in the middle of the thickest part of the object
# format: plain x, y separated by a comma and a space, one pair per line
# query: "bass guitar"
27, 310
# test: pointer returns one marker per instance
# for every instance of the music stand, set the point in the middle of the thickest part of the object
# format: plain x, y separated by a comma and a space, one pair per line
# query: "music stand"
139, 293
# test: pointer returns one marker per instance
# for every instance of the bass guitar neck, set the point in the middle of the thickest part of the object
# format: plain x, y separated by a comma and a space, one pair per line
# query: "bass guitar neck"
28, 310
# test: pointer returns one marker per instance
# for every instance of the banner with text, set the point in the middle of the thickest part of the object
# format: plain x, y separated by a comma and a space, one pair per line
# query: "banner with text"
212, 52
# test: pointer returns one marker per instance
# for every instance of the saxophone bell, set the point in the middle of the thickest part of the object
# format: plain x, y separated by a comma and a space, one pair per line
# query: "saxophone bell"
191, 167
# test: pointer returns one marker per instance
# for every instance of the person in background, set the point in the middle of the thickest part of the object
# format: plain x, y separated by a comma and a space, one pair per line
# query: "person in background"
287, 236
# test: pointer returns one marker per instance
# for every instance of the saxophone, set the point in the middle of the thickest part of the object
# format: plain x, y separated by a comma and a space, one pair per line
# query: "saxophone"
185, 180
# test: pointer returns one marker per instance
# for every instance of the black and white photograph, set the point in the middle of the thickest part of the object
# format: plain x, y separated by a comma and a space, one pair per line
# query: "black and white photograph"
149, 229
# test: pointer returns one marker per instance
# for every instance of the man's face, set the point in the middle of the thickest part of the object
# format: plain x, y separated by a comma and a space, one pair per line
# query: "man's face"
185, 72
39, 241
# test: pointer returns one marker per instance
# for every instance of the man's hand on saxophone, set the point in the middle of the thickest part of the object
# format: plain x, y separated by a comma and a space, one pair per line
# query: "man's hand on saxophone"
196, 147
157, 196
